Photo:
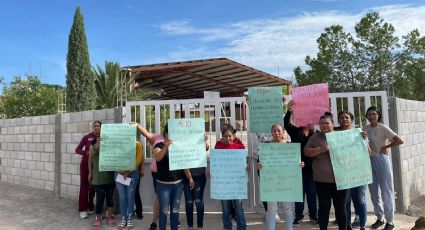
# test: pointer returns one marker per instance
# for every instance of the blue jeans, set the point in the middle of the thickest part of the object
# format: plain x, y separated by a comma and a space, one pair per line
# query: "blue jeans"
169, 196
309, 191
226, 206
197, 195
126, 195
358, 195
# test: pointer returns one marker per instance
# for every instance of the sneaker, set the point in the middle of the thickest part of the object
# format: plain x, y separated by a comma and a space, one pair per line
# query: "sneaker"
139, 215
153, 226
298, 220
334, 222
110, 222
356, 223
377, 224
130, 224
389, 226
122, 224
277, 218
97, 224
83, 215
313, 220
90, 212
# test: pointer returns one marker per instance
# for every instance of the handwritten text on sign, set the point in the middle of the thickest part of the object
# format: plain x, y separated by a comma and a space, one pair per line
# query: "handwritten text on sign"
350, 159
228, 175
118, 147
265, 108
311, 102
188, 148
280, 178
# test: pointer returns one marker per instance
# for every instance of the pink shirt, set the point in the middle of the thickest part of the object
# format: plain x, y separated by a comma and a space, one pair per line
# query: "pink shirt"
156, 139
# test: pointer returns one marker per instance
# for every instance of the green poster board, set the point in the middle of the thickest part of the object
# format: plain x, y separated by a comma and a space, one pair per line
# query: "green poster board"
117, 147
265, 108
281, 177
188, 148
350, 159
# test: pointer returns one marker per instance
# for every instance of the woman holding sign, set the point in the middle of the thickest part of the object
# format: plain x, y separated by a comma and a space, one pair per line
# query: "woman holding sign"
103, 182
318, 149
169, 187
227, 142
381, 138
301, 135
127, 190
278, 137
357, 194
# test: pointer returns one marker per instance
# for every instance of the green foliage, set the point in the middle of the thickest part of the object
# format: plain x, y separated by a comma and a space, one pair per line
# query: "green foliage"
81, 94
371, 59
113, 83
29, 97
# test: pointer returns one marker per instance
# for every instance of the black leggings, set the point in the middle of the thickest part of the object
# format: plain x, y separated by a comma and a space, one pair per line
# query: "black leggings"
104, 191
325, 193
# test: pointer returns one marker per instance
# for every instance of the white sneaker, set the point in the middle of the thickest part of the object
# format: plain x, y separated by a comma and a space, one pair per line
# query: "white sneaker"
277, 218
90, 212
83, 215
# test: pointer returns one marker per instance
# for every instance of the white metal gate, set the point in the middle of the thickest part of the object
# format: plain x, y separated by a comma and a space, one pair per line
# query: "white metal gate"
233, 110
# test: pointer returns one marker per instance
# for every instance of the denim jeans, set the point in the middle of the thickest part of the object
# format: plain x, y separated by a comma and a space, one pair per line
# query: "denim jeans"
309, 191
358, 195
226, 205
195, 195
169, 196
126, 195
272, 212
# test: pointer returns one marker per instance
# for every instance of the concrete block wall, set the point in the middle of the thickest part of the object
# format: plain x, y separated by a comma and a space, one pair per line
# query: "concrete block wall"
27, 151
39, 151
409, 158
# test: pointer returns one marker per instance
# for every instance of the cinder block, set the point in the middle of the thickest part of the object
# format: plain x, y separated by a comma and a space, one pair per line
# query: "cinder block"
52, 138
40, 166
44, 175
44, 120
72, 190
40, 128
49, 166
49, 147
24, 146
52, 119
65, 118
63, 190
110, 114
17, 180
35, 120
87, 116
44, 156
21, 155
40, 147
51, 176
66, 137
99, 115
28, 173
36, 174
66, 158
76, 137
49, 129
63, 168
16, 147
66, 178
48, 185
82, 127
75, 179
24, 164
71, 128
44, 138
75, 158
32, 164
16, 163
40, 184
70, 148
76, 117
24, 129
36, 138
32, 129
17, 130
71, 168
14, 171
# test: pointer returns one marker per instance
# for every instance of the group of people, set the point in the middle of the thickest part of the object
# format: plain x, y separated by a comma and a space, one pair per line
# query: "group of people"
318, 178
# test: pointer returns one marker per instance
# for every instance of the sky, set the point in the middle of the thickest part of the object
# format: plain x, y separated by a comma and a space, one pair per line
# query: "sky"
271, 35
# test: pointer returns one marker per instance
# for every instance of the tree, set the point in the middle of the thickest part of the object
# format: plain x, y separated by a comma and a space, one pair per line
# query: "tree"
372, 59
112, 83
81, 93
29, 97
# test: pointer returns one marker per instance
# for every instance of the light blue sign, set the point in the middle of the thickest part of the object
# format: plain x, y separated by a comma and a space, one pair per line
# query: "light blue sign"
228, 175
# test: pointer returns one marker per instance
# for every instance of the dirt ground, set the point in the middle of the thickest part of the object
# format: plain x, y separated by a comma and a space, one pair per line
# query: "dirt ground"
27, 208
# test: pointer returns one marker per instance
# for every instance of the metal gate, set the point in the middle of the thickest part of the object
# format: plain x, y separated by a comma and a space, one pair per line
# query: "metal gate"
232, 110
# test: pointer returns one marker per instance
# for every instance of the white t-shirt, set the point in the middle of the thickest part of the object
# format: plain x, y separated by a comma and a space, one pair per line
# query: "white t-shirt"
378, 136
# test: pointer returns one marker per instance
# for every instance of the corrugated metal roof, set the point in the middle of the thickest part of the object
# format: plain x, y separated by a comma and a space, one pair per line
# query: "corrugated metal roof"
189, 79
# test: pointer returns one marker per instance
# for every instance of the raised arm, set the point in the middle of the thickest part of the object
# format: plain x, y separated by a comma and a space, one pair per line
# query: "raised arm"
289, 127
159, 153
149, 136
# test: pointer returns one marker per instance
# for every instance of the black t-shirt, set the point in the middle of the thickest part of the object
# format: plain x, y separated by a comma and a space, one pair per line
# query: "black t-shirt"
163, 168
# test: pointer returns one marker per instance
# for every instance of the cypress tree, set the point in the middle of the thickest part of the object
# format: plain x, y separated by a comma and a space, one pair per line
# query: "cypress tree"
80, 90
